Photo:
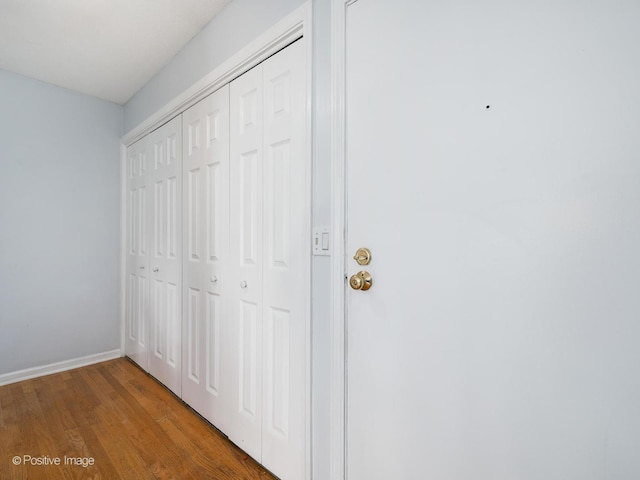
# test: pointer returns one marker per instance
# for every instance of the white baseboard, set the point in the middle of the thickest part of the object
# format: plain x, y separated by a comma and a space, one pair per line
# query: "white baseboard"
33, 372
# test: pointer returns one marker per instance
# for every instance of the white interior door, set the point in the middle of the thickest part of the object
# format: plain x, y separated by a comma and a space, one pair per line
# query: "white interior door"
137, 288
164, 151
206, 258
493, 175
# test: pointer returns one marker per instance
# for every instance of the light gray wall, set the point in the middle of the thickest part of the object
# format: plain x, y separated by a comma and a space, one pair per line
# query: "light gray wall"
238, 24
59, 224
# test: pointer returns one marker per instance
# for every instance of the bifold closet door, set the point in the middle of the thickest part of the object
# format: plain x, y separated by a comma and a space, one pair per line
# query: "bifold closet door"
154, 255
206, 257
270, 251
218, 259
164, 147
137, 278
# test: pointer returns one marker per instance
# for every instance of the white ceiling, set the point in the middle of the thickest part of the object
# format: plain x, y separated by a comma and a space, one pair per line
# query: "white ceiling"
105, 48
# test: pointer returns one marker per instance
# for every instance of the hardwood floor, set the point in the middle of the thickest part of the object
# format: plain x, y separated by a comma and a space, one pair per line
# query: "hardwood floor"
118, 415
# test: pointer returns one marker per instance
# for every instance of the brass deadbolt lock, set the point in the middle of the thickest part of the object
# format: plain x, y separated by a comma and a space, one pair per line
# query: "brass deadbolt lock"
363, 256
361, 281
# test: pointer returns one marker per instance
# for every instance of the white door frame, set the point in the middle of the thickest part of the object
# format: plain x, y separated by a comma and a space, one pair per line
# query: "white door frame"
338, 348
294, 26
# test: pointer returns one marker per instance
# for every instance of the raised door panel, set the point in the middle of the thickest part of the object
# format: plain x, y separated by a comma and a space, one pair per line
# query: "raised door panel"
165, 260
245, 307
286, 253
193, 344
206, 259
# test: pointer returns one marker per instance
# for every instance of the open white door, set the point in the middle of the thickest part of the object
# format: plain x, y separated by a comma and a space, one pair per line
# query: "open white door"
490, 161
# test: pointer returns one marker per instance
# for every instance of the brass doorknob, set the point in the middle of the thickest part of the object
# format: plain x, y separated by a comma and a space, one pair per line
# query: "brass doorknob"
361, 281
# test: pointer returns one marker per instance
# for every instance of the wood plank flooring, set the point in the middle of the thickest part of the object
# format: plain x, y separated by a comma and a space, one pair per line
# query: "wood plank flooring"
115, 413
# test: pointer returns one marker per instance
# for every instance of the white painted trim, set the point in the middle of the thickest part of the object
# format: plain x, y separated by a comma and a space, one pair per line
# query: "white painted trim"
276, 38
338, 347
308, 39
123, 245
34, 372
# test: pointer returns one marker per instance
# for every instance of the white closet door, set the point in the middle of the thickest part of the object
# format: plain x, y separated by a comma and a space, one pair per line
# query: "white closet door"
137, 286
243, 256
164, 149
245, 294
206, 257
285, 253
270, 253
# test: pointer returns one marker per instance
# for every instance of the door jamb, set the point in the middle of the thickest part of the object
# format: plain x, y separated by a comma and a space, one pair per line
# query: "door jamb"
338, 347
123, 246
